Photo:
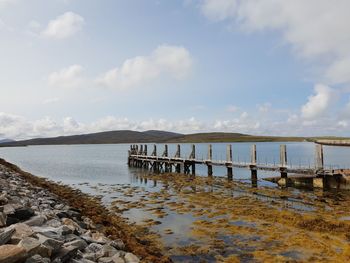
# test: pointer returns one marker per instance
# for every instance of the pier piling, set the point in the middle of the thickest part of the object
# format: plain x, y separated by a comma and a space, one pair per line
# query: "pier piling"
209, 161
229, 161
283, 160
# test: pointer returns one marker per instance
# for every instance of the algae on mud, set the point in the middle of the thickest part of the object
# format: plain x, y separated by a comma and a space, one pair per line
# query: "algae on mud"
232, 221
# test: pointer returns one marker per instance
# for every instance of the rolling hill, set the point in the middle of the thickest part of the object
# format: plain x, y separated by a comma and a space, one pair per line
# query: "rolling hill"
109, 137
154, 136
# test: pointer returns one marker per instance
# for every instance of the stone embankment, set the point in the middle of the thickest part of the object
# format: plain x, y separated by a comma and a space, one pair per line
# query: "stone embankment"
37, 227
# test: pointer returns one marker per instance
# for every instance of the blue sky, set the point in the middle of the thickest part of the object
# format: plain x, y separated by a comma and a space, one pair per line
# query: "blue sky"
257, 66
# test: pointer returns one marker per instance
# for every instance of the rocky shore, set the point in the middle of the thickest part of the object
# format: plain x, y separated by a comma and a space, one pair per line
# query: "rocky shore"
37, 226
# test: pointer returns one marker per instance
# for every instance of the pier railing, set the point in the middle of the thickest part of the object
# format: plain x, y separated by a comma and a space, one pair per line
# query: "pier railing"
140, 157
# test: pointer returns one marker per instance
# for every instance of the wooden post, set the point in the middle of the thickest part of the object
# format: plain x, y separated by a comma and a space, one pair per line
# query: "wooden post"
141, 149
178, 155
193, 152
253, 155
165, 153
137, 149
229, 153
319, 157
154, 153
178, 151
129, 157
229, 161
254, 173
193, 156
283, 160
145, 150
209, 162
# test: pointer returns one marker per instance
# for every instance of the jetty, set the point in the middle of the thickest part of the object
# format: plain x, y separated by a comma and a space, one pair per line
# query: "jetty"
334, 142
318, 176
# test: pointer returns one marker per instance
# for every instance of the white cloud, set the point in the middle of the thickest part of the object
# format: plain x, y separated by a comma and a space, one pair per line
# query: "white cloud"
218, 10
4, 3
174, 61
51, 100
316, 29
339, 71
69, 77
5, 27
64, 26
264, 108
319, 103
18, 127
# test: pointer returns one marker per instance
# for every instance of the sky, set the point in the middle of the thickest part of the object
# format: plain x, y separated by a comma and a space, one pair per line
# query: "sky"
263, 67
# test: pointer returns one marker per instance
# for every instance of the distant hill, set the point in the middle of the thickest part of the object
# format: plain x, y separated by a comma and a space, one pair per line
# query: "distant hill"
6, 140
154, 136
109, 137
231, 137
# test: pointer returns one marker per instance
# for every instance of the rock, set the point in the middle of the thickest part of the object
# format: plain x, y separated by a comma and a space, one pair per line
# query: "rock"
9, 209
71, 224
24, 213
118, 244
3, 198
36, 221
71, 237
118, 259
94, 248
107, 251
82, 224
90, 256
29, 244
12, 254
105, 260
6, 235
11, 220
33, 246
3, 218
59, 206
97, 237
83, 260
89, 223
51, 243
62, 214
49, 232
65, 230
54, 223
131, 258
79, 243
38, 259
21, 231
65, 254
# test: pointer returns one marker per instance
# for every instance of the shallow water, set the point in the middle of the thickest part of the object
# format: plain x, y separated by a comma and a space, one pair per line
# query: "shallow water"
187, 214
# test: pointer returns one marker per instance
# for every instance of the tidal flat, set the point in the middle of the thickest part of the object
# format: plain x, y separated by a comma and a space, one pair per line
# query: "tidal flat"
201, 219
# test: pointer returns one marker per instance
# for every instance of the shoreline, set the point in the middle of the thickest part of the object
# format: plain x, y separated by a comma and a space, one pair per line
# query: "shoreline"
111, 227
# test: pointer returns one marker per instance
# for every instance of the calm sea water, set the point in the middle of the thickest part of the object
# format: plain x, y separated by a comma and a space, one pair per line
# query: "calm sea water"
103, 170
107, 163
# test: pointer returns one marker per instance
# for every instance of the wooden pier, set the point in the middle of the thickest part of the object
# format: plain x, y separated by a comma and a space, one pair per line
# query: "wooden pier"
139, 157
